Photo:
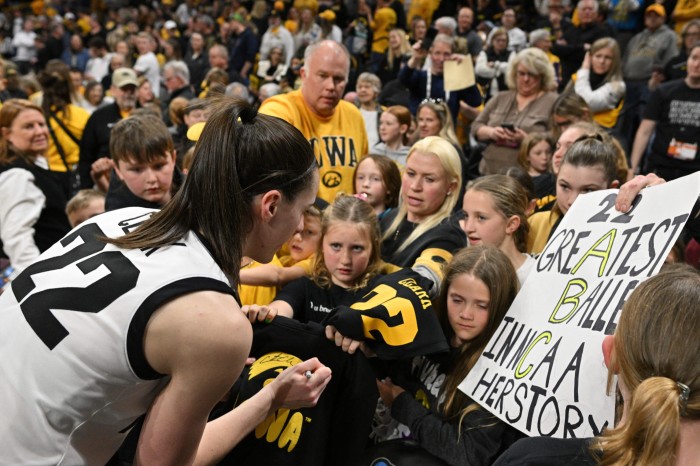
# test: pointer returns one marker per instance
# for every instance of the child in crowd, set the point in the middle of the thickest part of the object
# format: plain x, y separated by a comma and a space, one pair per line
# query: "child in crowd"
295, 261
589, 165
536, 157
304, 243
479, 286
347, 260
378, 179
495, 214
368, 87
144, 161
84, 205
394, 124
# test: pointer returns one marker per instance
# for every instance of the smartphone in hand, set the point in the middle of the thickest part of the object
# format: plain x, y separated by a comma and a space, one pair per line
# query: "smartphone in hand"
508, 126
427, 41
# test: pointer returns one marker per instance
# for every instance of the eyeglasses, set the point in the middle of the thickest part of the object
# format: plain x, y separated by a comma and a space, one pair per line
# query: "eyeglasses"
691, 34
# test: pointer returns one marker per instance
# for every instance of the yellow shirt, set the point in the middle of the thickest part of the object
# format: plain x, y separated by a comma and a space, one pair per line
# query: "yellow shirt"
76, 125
684, 11
338, 141
262, 295
541, 224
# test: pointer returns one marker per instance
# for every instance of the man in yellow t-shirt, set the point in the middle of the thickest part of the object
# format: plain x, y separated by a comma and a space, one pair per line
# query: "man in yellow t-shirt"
334, 127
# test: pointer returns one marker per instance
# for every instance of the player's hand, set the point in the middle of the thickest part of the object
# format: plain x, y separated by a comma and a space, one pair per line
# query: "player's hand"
299, 386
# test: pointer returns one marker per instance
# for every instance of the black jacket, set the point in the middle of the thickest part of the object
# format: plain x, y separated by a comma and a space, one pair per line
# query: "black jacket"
95, 142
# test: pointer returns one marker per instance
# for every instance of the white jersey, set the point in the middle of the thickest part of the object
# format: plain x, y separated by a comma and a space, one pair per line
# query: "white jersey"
73, 373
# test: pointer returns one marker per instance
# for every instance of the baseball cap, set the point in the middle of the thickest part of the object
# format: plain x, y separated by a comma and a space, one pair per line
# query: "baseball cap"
123, 77
328, 15
656, 8
236, 17
195, 131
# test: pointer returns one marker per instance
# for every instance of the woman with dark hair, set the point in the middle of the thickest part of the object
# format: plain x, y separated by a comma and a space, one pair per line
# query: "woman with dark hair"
66, 120
32, 215
149, 321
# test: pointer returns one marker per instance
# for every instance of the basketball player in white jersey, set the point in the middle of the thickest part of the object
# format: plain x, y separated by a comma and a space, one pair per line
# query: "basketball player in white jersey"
134, 313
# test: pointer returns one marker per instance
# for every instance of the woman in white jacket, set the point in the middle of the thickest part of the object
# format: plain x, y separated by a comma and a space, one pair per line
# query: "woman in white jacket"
492, 64
600, 82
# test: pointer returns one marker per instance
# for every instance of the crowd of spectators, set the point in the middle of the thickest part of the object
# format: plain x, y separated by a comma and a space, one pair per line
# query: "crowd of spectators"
104, 102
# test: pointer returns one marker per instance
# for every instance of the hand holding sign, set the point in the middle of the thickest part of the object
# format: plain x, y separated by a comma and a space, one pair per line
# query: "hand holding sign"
543, 371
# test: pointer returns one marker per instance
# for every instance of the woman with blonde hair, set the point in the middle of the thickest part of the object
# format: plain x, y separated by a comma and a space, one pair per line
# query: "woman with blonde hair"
654, 353
420, 233
511, 115
392, 61
600, 82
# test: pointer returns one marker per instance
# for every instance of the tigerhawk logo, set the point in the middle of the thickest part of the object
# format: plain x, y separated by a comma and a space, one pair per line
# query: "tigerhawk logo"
283, 426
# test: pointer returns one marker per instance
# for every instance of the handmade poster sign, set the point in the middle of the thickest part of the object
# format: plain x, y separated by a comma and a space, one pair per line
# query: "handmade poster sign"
543, 371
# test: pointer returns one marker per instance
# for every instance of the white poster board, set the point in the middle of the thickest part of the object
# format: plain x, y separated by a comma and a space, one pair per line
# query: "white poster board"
543, 370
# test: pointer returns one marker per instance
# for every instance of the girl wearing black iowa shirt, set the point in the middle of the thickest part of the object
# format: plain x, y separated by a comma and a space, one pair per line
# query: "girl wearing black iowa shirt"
479, 286
347, 260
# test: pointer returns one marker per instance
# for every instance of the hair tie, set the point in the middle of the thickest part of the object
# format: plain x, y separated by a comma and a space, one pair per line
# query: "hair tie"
683, 396
248, 114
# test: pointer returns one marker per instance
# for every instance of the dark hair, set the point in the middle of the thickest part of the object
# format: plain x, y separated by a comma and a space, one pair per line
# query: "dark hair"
391, 176
140, 138
522, 177
56, 93
490, 265
57, 87
239, 155
589, 151
196, 104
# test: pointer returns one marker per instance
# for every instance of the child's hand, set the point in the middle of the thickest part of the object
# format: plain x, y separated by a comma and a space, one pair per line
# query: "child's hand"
100, 172
628, 191
347, 344
259, 313
388, 391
